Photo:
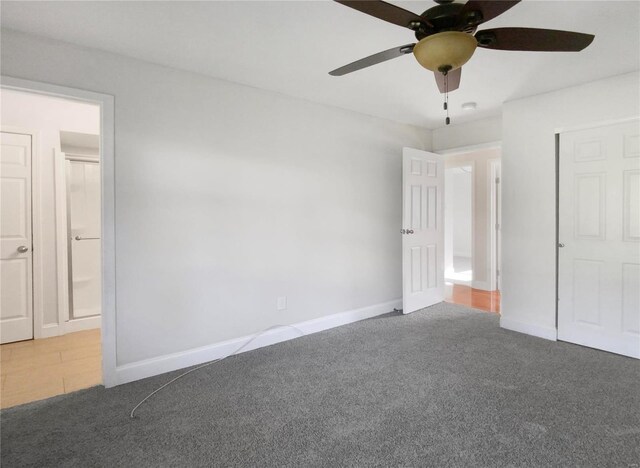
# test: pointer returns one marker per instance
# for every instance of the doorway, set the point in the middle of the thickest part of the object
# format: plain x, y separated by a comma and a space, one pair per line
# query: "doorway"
459, 224
51, 316
472, 226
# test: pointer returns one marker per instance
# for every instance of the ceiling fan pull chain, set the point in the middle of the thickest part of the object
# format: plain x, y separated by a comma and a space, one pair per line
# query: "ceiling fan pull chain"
447, 121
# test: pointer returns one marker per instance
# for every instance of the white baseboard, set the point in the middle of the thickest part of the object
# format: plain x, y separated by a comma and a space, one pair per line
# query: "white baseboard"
87, 323
482, 285
463, 254
159, 365
457, 281
47, 331
53, 329
548, 333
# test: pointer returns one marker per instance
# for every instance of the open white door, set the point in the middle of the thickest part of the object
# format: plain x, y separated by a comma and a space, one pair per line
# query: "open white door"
16, 280
599, 251
422, 229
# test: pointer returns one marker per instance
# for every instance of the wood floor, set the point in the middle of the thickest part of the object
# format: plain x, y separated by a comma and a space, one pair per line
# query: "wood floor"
36, 369
478, 299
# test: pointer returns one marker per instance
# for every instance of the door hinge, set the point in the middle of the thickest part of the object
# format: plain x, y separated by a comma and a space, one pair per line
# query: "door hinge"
497, 180
497, 272
497, 227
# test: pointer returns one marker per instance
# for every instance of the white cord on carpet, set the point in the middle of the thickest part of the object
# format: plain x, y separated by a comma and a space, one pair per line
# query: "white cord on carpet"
246, 343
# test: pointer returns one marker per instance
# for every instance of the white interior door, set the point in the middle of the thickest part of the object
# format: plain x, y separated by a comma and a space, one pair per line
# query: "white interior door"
83, 185
599, 254
16, 277
422, 229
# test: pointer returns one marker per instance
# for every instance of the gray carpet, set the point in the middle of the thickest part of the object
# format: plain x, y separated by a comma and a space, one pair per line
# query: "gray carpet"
445, 386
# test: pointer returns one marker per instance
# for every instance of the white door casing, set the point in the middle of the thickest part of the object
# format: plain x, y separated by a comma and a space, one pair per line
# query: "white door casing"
497, 227
111, 377
83, 192
599, 235
422, 229
16, 262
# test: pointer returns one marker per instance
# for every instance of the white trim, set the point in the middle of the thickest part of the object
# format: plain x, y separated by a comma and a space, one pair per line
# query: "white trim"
471, 148
71, 326
495, 166
170, 362
482, 285
450, 280
595, 124
107, 123
85, 323
49, 330
474, 208
62, 271
548, 333
79, 157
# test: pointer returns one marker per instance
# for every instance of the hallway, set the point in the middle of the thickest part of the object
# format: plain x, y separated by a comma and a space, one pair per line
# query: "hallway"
37, 369
489, 301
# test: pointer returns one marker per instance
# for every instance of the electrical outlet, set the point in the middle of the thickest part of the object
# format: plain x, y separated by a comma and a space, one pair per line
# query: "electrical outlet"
282, 303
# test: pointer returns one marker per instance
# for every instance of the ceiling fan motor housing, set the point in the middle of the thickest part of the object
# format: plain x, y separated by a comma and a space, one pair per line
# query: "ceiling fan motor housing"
447, 17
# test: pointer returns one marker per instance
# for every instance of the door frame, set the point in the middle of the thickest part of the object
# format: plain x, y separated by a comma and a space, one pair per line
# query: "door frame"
106, 104
37, 304
495, 204
490, 245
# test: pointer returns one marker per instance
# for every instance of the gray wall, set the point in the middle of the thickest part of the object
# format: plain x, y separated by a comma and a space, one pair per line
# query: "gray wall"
462, 213
467, 134
228, 197
529, 193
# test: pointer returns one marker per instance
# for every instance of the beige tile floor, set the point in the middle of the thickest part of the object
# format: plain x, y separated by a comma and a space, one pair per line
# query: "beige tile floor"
37, 369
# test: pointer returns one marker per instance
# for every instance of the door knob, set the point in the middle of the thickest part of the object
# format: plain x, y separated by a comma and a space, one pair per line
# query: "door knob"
561, 245
403, 231
409, 231
23, 249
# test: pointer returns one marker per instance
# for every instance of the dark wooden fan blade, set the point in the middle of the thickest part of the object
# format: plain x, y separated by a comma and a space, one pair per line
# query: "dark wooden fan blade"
488, 10
453, 78
373, 59
384, 11
537, 40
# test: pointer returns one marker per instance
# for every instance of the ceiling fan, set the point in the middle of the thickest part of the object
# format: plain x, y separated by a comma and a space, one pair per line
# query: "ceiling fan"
447, 36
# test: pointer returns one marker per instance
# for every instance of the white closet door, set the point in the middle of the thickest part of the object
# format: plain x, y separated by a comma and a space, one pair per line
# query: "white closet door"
599, 257
422, 229
16, 277
83, 180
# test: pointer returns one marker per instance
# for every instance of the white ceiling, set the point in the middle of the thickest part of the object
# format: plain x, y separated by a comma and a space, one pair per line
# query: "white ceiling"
289, 46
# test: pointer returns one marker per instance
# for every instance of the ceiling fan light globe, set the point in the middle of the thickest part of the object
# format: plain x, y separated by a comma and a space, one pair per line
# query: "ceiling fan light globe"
446, 50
